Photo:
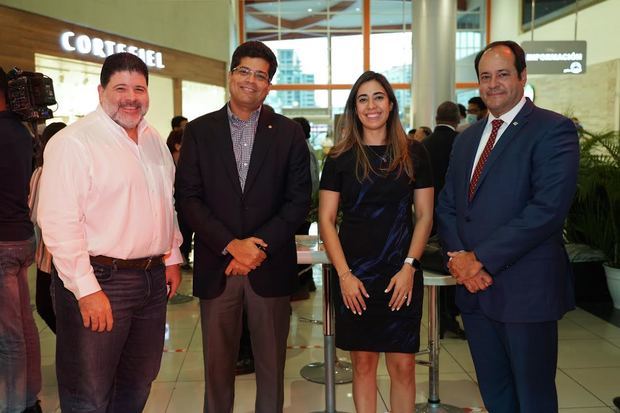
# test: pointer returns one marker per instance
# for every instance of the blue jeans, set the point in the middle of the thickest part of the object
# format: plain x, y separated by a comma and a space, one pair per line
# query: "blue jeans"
20, 354
111, 372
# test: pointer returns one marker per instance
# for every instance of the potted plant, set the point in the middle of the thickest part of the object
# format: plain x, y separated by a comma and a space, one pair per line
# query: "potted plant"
595, 216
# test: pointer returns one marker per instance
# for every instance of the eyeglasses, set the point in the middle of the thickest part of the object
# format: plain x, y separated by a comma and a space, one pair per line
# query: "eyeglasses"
245, 72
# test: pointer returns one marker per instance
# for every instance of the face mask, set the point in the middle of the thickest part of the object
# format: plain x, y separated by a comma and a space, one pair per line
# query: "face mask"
471, 118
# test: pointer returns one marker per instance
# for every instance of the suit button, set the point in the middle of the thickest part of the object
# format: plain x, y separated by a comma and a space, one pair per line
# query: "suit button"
467, 219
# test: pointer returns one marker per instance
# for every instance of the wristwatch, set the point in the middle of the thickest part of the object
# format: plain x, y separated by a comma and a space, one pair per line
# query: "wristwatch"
413, 262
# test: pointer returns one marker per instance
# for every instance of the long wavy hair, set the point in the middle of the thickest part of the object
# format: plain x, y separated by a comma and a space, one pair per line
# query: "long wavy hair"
352, 132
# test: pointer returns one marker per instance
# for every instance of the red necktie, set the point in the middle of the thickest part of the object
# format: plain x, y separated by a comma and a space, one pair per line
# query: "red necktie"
495, 125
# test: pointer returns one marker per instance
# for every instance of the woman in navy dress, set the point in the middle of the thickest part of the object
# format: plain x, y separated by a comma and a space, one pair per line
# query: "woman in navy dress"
375, 175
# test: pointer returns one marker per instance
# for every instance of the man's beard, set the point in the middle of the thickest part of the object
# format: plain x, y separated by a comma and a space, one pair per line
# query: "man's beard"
124, 120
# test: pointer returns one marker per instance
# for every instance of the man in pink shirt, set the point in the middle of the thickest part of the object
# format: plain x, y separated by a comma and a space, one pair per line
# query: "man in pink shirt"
107, 216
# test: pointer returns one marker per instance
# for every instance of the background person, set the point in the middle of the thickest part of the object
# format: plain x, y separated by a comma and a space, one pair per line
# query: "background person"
43, 258
375, 175
476, 110
439, 146
178, 123
174, 143
20, 354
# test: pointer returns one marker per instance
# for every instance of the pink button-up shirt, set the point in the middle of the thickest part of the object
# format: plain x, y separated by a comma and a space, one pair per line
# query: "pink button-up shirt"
103, 194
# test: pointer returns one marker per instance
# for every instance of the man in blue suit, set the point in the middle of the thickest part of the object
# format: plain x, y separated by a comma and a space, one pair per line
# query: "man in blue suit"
510, 183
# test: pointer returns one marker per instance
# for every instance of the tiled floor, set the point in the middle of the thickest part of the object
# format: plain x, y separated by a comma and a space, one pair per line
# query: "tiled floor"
587, 378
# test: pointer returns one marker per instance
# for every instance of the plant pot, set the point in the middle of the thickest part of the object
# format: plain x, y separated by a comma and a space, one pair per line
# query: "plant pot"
613, 283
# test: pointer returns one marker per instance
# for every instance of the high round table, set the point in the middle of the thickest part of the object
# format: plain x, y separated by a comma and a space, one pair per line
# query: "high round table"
310, 251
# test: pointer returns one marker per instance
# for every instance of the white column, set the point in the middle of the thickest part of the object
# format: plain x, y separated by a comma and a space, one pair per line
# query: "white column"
434, 55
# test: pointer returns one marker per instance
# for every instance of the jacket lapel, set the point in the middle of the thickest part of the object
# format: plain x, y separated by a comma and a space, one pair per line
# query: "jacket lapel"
225, 148
262, 143
507, 137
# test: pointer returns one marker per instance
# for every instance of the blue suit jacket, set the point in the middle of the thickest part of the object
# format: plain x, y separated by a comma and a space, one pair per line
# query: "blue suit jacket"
514, 222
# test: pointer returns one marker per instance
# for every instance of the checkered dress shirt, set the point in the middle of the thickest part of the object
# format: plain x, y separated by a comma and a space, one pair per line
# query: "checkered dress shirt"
242, 134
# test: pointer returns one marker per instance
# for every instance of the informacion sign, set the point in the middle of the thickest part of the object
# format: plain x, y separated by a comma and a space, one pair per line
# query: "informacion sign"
83, 44
555, 57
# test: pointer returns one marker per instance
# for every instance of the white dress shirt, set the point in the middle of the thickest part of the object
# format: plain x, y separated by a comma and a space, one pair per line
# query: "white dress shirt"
103, 194
507, 117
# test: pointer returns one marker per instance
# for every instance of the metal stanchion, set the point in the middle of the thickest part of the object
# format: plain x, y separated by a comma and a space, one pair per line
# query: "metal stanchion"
332, 371
434, 405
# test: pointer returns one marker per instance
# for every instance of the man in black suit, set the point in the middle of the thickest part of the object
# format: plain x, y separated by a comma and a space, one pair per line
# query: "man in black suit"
439, 145
243, 186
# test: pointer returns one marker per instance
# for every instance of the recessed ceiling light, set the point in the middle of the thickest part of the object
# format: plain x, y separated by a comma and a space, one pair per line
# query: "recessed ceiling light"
309, 10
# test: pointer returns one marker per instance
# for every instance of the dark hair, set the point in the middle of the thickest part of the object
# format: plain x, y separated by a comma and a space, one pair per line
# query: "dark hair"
177, 120
462, 110
4, 83
352, 133
49, 131
122, 62
411, 132
448, 112
427, 131
255, 49
305, 126
477, 100
174, 138
516, 50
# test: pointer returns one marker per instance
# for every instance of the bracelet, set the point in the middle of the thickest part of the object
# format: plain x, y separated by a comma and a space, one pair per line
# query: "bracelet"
342, 276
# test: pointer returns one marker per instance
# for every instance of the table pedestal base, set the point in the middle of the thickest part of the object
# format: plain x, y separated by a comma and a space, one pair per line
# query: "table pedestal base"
315, 372
437, 408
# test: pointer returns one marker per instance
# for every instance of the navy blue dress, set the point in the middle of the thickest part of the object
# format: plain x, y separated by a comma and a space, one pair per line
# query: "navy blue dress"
375, 233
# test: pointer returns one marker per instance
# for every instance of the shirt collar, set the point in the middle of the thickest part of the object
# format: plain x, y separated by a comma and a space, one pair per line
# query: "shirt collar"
237, 121
446, 125
509, 116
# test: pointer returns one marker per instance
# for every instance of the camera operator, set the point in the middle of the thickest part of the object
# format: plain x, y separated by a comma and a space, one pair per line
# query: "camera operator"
20, 358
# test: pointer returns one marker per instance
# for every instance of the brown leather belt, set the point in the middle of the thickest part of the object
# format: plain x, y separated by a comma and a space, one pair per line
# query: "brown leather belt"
131, 264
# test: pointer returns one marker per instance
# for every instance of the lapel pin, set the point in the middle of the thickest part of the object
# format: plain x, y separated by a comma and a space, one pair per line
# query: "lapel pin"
515, 123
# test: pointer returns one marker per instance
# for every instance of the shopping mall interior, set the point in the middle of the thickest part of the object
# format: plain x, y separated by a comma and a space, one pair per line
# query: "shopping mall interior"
322, 46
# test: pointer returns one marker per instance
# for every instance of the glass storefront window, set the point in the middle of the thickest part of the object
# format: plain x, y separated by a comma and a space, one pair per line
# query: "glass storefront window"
201, 98
347, 61
75, 86
301, 61
321, 42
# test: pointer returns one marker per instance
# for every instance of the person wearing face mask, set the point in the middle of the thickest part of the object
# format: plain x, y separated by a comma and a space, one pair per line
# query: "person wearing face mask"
375, 175
107, 217
476, 110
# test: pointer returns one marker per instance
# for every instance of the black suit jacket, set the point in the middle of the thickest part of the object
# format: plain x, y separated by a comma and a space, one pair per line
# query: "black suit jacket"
273, 204
439, 146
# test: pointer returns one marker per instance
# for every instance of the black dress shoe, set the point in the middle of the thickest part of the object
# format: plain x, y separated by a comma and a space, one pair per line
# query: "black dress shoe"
35, 408
244, 366
617, 402
453, 332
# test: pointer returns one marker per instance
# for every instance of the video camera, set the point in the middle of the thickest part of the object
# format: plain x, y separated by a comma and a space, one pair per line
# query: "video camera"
30, 94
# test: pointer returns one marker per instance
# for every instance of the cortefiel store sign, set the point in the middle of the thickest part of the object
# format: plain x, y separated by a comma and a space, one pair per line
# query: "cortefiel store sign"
555, 57
83, 44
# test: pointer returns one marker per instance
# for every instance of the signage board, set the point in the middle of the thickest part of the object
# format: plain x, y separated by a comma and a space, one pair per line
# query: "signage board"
555, 57
83, 44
